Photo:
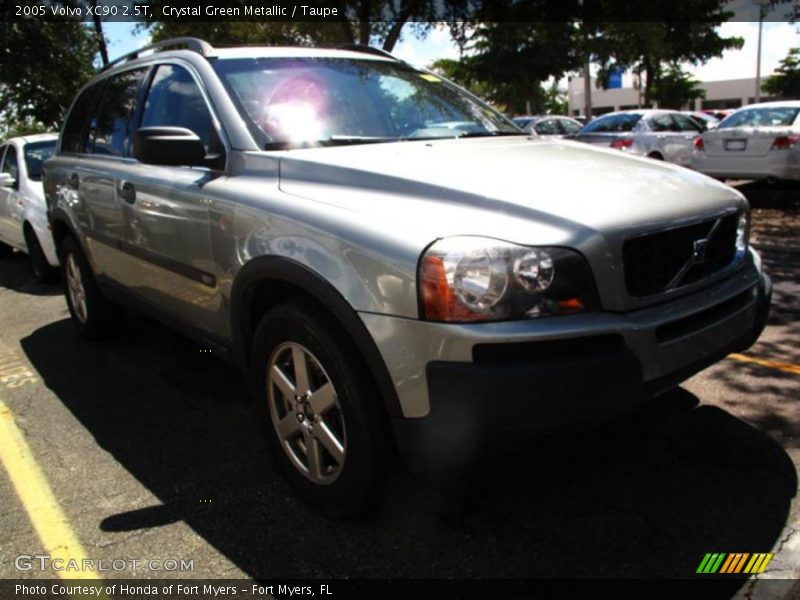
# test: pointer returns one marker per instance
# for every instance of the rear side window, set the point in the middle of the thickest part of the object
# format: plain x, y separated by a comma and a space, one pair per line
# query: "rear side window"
568, 126
613, 124
10, 164
661, 123
113, 126
547, 127
778, 116
685, 123
175, 100
76, 131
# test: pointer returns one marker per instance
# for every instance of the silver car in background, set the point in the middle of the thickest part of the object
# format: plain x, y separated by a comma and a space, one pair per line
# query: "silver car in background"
23, 211
660, 134
760, 141
553, 126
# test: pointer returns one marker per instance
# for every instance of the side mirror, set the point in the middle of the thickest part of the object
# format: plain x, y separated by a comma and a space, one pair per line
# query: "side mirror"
169, 146
7, 180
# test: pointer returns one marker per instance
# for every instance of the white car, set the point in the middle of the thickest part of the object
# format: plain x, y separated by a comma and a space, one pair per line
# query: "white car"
23, 212
660, 134
759, 141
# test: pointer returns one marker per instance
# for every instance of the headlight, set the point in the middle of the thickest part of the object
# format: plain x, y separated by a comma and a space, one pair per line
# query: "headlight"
742, 234
464, 279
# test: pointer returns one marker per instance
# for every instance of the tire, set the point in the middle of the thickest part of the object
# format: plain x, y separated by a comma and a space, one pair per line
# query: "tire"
344, 482
655, 156
6, 251
93, 316
42, 271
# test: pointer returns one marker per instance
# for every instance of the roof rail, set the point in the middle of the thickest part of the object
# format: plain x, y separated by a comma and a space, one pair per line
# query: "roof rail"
364, 49
195, 44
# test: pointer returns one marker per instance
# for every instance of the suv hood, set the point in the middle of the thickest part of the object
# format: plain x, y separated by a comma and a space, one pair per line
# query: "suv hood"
513, 188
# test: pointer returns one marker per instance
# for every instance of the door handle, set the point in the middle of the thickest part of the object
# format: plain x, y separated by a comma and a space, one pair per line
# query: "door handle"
73, 181
127, 191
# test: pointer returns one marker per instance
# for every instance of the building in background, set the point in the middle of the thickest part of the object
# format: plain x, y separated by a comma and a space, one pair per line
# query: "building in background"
729, 93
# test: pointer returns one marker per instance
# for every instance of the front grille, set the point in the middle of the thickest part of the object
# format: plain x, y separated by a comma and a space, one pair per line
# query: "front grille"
653, 261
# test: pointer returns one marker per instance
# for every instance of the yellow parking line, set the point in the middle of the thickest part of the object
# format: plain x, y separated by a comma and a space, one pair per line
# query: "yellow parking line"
771, 364
50, 522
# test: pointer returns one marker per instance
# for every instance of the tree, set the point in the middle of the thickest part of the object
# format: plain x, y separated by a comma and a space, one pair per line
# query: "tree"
655, 34
785, 82
675, 87
42, 66
367, 22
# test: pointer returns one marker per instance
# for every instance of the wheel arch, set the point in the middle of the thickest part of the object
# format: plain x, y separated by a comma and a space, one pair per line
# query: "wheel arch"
267, 281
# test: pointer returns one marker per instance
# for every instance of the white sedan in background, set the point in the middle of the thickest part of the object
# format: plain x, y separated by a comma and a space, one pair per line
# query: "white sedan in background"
759, 141
23, 213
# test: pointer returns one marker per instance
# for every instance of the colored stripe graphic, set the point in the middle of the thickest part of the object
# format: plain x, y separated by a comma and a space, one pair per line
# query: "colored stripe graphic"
721, 562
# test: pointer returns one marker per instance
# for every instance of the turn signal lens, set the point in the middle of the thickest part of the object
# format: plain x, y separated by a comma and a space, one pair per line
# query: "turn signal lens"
698, 144
785, 142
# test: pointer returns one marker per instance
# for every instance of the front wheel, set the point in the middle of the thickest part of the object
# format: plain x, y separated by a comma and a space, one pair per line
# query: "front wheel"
93, 315
42, 271
320, 409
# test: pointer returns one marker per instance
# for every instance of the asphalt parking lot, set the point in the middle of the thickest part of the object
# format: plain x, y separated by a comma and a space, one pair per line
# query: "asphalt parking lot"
152, 453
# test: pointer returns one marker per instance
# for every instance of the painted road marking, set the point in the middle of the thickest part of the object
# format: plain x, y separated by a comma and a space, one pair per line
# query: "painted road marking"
771, 364
34, 492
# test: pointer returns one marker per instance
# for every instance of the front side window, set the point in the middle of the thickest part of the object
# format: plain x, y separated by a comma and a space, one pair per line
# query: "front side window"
175, 100
113, 125
35, 155
661, 123
79, 122
328, 101
547, 127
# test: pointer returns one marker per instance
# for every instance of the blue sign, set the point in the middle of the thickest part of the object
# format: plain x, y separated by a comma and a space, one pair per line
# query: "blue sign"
615, 79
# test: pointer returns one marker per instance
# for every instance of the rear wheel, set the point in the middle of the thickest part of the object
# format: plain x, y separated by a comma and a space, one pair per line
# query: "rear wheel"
93, 315
320, 409
42, 271
655, 156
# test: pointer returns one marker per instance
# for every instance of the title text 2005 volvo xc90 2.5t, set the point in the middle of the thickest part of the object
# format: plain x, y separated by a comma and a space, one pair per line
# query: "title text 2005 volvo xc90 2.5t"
393, 262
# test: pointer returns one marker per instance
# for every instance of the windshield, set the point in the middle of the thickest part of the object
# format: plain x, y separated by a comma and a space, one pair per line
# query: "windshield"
324, 101
35, 155
782, 116
612, 123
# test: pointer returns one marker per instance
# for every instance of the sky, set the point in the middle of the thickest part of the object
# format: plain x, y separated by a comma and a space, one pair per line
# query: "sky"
777, 40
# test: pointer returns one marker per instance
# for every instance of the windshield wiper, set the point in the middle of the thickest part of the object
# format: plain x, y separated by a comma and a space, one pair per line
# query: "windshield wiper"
471, 134
342, 140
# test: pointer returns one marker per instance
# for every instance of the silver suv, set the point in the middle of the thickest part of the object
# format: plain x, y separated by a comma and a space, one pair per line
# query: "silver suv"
393, 262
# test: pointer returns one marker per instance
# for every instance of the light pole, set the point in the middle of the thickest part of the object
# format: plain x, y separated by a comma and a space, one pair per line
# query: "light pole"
762, 9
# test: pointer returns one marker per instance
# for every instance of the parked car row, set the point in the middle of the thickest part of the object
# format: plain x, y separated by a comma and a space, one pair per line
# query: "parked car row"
393, 263
760, 141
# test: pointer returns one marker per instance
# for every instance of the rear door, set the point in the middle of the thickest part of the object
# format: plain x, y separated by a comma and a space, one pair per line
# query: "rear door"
686, 131
106, 162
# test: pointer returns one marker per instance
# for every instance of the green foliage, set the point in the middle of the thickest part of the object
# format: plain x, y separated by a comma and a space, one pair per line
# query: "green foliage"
379, 24
27, 127
675, 88
42, 66
656, 34
785, 82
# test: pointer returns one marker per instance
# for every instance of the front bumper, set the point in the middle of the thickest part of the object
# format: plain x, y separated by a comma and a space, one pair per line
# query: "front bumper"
512, 387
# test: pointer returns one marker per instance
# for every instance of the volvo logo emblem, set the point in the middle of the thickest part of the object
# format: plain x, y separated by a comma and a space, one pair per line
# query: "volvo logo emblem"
699, 251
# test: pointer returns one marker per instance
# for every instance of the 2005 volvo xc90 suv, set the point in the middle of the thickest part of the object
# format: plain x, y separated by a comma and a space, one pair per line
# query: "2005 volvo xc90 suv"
394, 263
